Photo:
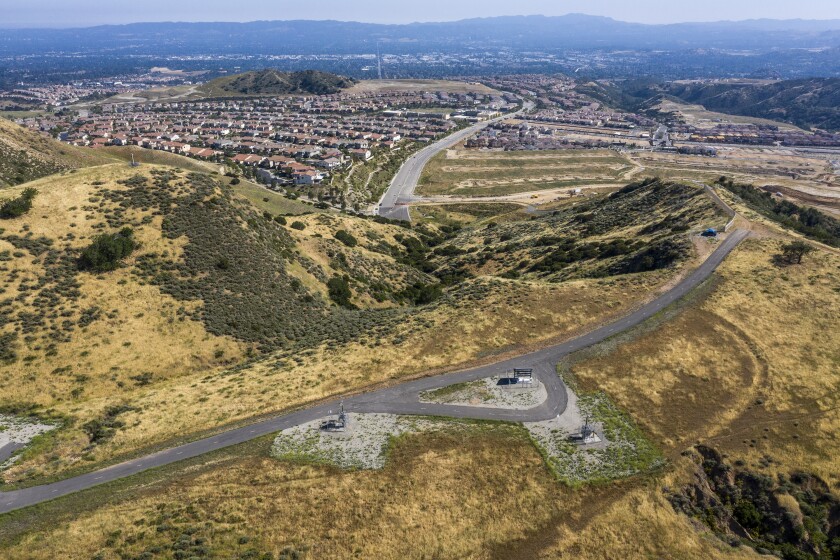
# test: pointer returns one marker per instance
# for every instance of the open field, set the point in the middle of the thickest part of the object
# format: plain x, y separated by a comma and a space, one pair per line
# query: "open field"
439, 495
192, 92
159, 95
473, 173
372, 86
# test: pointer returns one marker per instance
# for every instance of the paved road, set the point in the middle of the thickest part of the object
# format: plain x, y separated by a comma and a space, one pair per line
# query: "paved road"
7, 450
394, 203
400, 399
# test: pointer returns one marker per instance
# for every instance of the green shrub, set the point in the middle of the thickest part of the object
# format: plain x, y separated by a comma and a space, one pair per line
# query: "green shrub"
346, 237
100, 430
15, 207
339, 290
298, 225
107, 250
7, 348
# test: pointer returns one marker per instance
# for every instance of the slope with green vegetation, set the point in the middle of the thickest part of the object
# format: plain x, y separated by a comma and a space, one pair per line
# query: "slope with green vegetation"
275, 82
642, 227
808, 103
807, 221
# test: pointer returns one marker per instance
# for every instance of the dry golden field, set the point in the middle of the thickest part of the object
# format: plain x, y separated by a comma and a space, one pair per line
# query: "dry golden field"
752, 368
439, 496
696, 374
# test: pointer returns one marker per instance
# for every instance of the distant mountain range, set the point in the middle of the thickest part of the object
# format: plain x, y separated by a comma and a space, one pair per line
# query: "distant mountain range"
520, 32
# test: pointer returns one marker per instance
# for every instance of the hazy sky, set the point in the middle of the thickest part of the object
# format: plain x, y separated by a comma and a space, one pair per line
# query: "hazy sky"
66, 13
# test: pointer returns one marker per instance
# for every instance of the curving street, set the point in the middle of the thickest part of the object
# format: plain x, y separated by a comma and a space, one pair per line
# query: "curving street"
394, 203
400, 399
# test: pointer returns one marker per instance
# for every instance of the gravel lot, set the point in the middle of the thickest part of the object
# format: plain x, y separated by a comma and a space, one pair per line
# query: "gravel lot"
488, 394
16, 433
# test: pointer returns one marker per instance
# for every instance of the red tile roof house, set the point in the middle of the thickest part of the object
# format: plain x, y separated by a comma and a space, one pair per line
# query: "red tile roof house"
279, 161
203, 153
248, 159
363, 155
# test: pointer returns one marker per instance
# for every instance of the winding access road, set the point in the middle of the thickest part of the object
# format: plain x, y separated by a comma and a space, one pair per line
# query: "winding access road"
399, 399
394, 203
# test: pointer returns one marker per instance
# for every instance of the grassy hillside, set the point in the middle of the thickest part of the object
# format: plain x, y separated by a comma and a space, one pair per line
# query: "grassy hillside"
225, 312
229, 297
275, 82
806, 103
26, 155
724, 369
639, 228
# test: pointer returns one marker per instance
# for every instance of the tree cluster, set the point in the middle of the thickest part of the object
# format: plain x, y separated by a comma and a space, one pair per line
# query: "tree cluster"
107, 250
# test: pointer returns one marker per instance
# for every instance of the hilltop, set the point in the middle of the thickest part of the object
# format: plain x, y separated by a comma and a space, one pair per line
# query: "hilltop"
275, 82
26, 155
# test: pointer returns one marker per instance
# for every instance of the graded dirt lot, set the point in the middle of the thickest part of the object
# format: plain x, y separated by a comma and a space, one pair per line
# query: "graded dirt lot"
477, 173
807, 178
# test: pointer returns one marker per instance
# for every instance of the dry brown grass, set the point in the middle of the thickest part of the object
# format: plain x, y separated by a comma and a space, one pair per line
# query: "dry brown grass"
439, 496
191, 392
139, 332
638, 522
752, 369
144, 320
510, 316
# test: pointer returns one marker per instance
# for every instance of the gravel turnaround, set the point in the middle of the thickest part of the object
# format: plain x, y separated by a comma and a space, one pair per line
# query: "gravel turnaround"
400, 399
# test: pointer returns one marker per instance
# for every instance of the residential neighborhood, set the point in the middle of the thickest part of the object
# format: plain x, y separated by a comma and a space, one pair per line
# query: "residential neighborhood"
293, 140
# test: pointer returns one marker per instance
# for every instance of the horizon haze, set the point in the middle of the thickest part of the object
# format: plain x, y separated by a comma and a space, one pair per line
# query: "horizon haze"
88, 13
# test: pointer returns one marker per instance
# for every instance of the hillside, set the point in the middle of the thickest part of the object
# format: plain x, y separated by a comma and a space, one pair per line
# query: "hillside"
26, 155
223, 312
715, 382
811, 103
216, 287
807, 103
274, 82
640, 228
209, 265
